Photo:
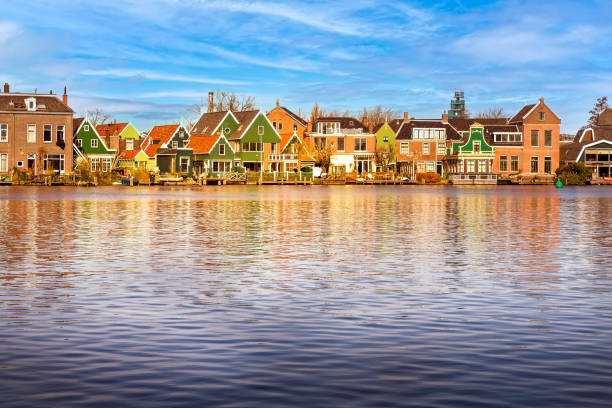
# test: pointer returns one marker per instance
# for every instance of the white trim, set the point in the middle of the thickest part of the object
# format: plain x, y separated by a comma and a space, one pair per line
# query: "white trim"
592, 144
290, 139
584, 133
229, 112
28, 131
50, 133
97, 134
267, 120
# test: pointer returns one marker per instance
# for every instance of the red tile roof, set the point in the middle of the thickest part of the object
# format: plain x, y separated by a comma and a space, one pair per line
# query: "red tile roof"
518, 118
162, 134
129, 154
110, 128
202, 144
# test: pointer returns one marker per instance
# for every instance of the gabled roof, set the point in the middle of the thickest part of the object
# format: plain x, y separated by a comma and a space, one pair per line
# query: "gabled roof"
520, 116
345, 122
15, 103
128, 154
209, 122
294, 116
162, 134
204, 144
405, 130
76, 124
463, 124
244, 122
394, 124
586, 137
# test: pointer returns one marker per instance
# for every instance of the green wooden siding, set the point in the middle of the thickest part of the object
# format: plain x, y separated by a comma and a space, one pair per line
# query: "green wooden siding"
269, 134
86, 136
386, 132
228, 123
476, 134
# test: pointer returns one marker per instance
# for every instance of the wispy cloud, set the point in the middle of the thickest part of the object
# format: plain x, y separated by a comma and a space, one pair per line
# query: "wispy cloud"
8, 30
155, 76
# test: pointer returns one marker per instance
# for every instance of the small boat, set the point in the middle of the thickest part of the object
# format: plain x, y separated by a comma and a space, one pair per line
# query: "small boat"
607, 178
126, 181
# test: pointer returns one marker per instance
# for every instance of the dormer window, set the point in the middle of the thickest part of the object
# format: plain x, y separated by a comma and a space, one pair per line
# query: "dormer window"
542, 116
476, 147
31, 104
227, 130
86, 128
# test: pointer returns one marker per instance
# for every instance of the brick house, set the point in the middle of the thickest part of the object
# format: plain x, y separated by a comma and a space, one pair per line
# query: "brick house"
35, 133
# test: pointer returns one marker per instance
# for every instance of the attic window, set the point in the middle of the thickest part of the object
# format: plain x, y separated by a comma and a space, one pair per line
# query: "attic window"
86, 128
226, 130
260, 130
542, 115
295, 127
351, 123
30, 104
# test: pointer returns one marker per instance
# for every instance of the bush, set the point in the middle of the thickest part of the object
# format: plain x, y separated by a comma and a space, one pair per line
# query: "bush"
573, 174
307, 169
428, 178
238, 169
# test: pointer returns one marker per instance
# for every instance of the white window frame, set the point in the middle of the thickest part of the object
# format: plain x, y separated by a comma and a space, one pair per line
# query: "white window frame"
50, 127
405, 148
260, 130
106, 163
549, 159
221, 149
92, 143
4, 132
430, 167
426, 148
79, 143
474, 144
86, 128
28, 139
541, 116
441, 149
20, 164
129, 144
4, 162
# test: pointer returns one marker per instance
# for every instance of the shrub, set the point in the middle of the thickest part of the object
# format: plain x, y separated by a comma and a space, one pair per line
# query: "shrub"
238, 169
428, 178
573, 174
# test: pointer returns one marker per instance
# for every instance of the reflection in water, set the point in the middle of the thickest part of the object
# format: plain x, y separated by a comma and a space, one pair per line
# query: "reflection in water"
305, 296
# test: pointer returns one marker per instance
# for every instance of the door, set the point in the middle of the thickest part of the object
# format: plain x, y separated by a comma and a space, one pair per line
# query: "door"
32, 164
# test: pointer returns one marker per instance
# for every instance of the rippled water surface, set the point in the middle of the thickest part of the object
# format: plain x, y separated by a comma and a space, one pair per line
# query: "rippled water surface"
305, 296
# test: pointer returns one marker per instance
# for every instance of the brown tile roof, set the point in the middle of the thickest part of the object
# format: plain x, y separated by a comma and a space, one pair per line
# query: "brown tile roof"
518, 118
489, 130
244, 119
405, 131
345, 122
394, 124
207, 123
15, 102
591, 135
463, 124
202, 144
294, 116
76, 122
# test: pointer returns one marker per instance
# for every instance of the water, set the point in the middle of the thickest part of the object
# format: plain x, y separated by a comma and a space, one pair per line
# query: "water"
305, 296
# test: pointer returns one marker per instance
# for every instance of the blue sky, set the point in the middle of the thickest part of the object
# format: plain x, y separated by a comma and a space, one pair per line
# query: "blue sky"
147, 61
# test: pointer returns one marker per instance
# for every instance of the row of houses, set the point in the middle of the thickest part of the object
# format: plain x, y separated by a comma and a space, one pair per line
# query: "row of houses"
39, 134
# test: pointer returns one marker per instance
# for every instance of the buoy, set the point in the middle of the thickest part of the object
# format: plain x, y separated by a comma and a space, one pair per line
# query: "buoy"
559, 184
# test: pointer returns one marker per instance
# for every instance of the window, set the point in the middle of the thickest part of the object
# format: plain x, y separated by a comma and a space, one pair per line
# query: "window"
431, 167
226, 130
79, 142
534, 164
252, 147
319, 143
541, 115
404, 148
421, 167
54, 162
47, 138
174, 144
59, 132
360, 144
94, 143
221, 166
280, 125
184, 165
428, 133
3, 132
340, 144
274, 124
460, 166
508, 137
222, 149
548, 138
514, 163
86, 128
535, 136
425, 148
107, 162
476, 147
260, 130
20, 164
31, 133
4, 162
548, 164
503, 163
441, 148
295, 127
129, 144
482, 166
95, 163
470, 166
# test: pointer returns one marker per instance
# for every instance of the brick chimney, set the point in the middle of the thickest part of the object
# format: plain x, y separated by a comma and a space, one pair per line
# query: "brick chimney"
406, 119
7, 88
364, 120
65, 97
445, 117
277, 103
210, 101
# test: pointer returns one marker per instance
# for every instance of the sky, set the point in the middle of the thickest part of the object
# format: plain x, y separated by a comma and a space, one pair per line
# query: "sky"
148, 61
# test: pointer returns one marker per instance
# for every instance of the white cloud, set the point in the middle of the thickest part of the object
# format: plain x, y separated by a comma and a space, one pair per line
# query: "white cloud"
154, 76
9, 30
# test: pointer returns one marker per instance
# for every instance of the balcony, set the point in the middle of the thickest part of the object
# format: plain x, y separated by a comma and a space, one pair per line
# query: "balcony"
282, 157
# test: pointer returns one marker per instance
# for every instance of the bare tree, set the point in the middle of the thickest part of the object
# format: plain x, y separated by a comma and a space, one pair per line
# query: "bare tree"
222, 101
98, 116
323, 153
493, 113
384, 156
600, 106
377, 115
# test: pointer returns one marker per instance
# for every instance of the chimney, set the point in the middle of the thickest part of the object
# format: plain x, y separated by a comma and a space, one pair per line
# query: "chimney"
406, 117
7, 88
364, 120
541, 99
277, 103
210, 101
445, 117
309, 127
65, 97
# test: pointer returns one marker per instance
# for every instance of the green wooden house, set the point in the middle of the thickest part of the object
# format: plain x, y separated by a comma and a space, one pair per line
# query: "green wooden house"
212, 155
90, 145
471, 160
385, 144
173, 156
